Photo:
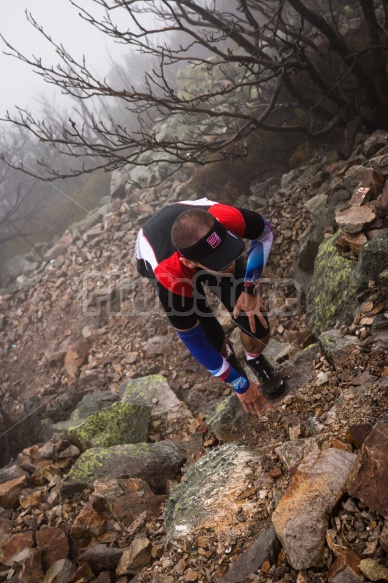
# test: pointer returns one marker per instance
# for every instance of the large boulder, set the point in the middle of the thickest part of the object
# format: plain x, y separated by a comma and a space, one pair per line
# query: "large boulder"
121, 423
332, 295
301, 518
214, 491
153, 462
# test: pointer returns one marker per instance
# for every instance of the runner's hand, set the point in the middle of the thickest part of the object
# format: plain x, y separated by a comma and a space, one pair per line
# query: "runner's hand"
253, 401
252, 306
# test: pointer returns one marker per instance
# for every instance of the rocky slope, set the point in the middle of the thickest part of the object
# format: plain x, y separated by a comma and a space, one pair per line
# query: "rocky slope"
93, 374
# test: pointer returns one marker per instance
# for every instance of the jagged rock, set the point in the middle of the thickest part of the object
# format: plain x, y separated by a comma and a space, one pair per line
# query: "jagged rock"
354, 219
60, 572
361, 195
357, 434
137, 556
88, 523
53, 544
92, 403
100, 557
345, 569
105, 577
374, 570
30, 498
152, 391
337, 347
118, 182
353, 242
71, 451
310, 241
11, 473
374, 144
211, 494
265, 548
32, 571
332, 295
125, 499
384, 537
14, 545
121, 423
11, 490
301, 518
153, 462
226, 421
373, 259
382, 202
157, 345
86, 575
291, 453
368, 482
76, 356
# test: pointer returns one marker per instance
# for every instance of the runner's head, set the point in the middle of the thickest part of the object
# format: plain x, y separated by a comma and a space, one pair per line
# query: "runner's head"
203, 241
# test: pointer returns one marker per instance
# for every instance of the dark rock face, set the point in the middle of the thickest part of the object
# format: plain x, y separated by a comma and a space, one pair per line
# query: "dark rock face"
102, 558
265, 548
373, 260
369, 480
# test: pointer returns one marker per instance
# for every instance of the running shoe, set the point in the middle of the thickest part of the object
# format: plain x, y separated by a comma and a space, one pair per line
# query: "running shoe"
271, 383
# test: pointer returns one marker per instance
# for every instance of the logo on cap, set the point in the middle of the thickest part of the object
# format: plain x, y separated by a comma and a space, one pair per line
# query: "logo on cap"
214, 240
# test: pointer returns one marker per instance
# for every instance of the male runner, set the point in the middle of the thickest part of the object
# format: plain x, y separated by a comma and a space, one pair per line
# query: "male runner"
191, 243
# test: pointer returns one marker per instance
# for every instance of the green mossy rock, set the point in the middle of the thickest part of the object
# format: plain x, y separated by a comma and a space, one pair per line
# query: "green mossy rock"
153, 462
121, 423
332, 294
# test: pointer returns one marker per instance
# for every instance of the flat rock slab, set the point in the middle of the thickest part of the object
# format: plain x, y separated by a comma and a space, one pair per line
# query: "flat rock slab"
301, 518
355, 218
369, 479
210, 496
153, 462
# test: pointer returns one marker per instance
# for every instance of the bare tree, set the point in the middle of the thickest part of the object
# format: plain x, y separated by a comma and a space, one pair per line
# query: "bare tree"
246, 66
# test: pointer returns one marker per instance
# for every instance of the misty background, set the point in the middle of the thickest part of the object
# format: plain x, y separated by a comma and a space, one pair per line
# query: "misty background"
21, 86
32, 211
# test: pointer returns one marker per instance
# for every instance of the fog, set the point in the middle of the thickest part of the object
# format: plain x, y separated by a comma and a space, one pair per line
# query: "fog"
59, 18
